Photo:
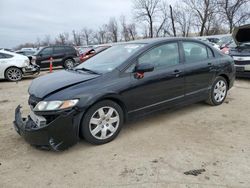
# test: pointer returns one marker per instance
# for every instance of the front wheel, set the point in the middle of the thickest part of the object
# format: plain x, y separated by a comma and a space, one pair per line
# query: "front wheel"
218, 92
102, 122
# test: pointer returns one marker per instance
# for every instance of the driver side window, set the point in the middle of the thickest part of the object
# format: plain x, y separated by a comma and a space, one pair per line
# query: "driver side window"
162, 56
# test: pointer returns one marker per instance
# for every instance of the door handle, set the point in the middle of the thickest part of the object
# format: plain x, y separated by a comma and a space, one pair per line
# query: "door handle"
210, 65
177, 73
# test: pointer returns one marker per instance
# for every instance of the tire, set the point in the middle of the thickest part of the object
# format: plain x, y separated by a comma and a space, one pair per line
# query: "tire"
69, 63
13, 74
100, 124
218, 92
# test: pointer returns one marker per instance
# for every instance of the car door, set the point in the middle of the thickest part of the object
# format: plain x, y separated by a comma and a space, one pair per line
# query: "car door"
58, 55
199, 67
5, 60
43, 58
2, 65
164, 84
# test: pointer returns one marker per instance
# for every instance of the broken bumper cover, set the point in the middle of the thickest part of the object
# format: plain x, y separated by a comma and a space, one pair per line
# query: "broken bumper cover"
31, 69
59, 134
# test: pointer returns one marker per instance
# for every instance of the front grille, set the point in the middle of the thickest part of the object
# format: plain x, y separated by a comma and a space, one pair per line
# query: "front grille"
242, 62
33, 101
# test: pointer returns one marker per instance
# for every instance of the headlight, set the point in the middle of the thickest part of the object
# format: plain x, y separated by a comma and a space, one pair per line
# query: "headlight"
55, 105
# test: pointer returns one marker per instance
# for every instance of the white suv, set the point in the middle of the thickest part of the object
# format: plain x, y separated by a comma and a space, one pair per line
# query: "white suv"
14, 66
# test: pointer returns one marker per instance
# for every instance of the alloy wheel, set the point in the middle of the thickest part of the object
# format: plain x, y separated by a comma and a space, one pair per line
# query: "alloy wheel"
220, 91
69, 64
14, 74
104, 123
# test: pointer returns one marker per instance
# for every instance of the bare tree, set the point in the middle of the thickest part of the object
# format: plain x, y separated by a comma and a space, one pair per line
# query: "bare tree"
172, 20
101, 36
164, 16
124, 29
87, 35
113, 29
132, 31
147, 10
63, 38
234, 12
202, 10
76, 38
46, 41
183, 20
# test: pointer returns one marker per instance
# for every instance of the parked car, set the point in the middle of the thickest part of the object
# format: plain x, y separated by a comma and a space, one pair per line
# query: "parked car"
225, 41
66, 56
28, 53
14, 66
241, 53
128, 80
213, 40
90, 52
227, 48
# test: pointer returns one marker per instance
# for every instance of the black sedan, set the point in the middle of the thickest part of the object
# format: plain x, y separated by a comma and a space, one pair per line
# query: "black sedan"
128, 80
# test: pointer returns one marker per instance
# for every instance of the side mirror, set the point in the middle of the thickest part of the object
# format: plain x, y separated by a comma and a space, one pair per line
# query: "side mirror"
147, 67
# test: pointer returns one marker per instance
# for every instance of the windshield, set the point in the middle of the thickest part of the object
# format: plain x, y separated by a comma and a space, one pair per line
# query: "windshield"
224, 40
111, 58
37, 52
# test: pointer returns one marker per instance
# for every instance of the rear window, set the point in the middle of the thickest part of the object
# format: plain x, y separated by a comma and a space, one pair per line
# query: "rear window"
59, 50
195, 52
70, 49
5, 56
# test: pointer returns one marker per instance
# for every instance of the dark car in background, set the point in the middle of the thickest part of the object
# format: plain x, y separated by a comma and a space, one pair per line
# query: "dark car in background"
128, 80
213, 40
90, 52
28, 53
241, 52
63, 55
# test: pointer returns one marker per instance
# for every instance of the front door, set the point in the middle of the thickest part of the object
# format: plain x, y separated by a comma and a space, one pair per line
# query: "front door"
164, 84
43, 58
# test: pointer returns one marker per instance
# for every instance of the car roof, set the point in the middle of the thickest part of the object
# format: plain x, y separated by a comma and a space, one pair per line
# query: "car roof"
7, 52
153, 41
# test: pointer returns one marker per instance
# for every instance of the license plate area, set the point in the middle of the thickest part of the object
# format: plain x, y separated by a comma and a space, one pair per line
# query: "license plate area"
240, 69
40, 121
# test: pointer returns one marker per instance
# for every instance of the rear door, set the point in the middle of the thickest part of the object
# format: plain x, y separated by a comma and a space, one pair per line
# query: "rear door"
199, 67
58, 55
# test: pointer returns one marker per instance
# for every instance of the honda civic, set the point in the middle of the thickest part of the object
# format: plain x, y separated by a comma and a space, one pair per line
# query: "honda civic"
129, 80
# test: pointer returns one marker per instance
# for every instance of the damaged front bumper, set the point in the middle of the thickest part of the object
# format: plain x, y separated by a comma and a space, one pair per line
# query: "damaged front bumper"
59, 134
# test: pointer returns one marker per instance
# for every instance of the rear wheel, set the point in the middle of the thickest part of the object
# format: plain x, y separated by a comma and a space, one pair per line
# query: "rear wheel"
13, 74
102, 122
69, 63
218, 92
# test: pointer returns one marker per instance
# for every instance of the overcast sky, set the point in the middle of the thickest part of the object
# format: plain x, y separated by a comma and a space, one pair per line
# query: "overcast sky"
24, 20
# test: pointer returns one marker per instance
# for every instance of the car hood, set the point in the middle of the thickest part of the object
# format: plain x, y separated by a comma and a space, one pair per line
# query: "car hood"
241, 34
51, 83
240, 51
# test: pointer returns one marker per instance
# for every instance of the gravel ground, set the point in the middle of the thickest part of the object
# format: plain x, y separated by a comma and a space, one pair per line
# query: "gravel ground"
150, 152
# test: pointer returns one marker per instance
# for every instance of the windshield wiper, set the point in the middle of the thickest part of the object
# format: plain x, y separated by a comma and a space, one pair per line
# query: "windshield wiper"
86, 70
